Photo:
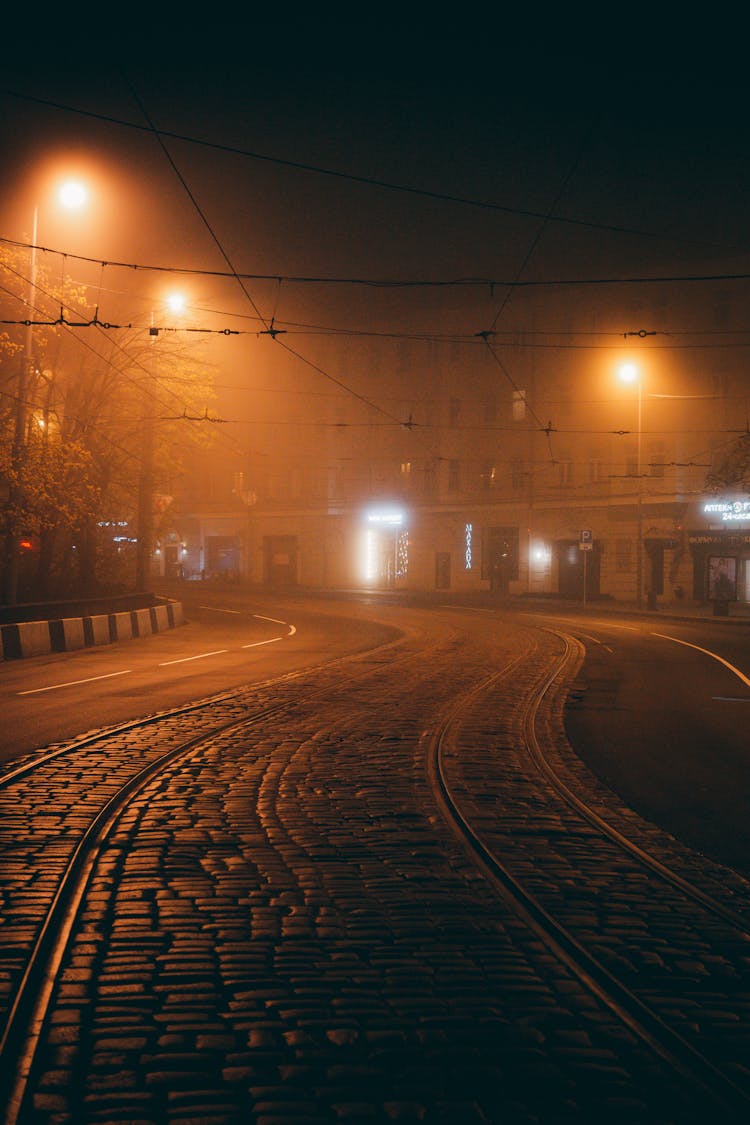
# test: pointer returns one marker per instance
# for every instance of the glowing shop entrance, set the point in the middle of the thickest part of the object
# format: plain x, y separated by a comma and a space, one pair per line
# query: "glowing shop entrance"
384, 547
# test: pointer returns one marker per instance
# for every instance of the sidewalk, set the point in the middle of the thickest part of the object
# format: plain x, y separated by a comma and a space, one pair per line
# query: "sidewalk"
686, 610
737, 612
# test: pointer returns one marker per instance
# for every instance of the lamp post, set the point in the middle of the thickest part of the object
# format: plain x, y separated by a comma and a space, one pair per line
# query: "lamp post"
71, 195
630, 373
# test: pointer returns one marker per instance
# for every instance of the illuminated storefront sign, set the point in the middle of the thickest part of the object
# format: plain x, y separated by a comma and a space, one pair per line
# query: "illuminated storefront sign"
729, 511
386, 515
467, 552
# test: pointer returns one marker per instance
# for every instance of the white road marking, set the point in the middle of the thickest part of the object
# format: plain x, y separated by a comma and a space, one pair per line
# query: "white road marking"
73, 683
707, 652
200, 656
168, 663
611, 625
594, 639
274, 621
215, 609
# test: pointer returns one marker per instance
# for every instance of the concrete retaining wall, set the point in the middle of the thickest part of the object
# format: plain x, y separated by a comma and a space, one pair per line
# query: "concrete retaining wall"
36, 638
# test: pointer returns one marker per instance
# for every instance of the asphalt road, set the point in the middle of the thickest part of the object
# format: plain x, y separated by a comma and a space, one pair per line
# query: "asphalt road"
229, 640
659, 711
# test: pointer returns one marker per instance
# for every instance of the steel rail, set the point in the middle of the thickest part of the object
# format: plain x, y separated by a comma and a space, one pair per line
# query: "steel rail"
15, 772
663, 1041
614, 834
28, 1011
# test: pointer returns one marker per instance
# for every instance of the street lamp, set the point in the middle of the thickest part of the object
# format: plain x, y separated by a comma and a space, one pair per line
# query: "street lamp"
71, 195
630, 374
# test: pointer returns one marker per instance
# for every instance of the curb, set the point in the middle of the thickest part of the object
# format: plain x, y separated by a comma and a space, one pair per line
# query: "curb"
66, 634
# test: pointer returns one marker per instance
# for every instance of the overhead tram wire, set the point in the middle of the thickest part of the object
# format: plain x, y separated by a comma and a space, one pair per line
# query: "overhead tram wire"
368, 181
391, 283
268, 326
546, 219
155, 133
523, 339
125, 374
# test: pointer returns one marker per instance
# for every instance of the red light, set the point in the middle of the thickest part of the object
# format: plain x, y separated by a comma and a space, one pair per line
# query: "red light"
26, 545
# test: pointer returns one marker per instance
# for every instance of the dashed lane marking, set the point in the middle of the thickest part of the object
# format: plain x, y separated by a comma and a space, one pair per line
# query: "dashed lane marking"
200, 656
72, 683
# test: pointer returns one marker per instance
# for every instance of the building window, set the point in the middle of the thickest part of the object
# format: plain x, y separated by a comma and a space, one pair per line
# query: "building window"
487, 474
623, 556
565, 473
516, 474
453, 476
519, 406
454, 410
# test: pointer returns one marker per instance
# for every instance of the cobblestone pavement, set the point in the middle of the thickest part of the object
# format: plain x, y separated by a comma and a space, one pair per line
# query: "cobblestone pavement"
282, 927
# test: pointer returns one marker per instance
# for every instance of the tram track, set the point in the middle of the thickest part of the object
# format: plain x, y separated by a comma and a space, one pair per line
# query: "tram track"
351, 838
33, 989
700, 1072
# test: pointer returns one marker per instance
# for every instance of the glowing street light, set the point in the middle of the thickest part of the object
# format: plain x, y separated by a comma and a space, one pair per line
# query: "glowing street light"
176, 302
71, 195
630, 374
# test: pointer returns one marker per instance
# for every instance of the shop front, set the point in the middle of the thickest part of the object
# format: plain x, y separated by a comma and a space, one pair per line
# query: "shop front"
719, 543
384, 547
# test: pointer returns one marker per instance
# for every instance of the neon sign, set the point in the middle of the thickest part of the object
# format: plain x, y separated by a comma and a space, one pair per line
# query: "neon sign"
729, 510
467, 553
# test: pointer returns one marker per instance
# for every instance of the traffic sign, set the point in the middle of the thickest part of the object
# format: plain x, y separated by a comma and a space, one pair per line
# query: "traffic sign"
586, 540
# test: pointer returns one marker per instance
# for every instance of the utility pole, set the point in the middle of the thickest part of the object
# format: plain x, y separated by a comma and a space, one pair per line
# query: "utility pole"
146, 482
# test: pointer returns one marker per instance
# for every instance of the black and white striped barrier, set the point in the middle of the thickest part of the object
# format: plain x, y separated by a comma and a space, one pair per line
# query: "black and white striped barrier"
35, 638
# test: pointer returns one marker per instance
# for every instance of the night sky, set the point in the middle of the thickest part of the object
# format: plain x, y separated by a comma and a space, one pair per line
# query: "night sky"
373, 152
